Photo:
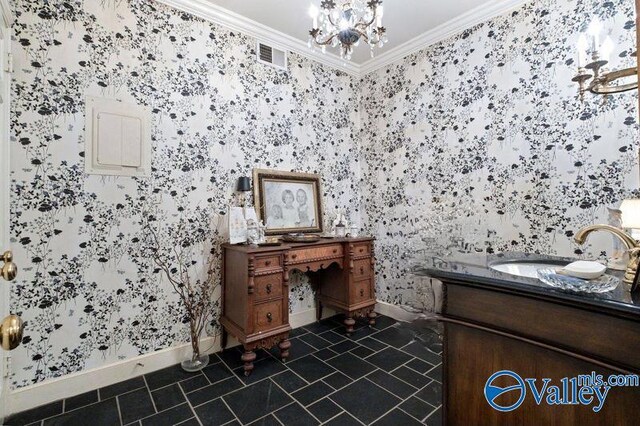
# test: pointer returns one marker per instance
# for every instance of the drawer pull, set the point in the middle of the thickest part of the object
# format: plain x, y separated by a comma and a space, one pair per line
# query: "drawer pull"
362, 269
267, 263
269, 317
361, 249
294, 256
362, 292
268, 288
335, 251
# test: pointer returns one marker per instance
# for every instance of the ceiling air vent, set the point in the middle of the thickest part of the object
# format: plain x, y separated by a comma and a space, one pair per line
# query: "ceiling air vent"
272, 56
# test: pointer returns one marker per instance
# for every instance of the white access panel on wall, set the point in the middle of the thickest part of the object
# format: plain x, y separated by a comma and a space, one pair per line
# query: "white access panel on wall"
118, 138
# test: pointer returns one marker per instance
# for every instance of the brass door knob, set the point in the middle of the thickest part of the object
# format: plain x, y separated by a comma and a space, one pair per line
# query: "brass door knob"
269, 317
361, 292
11, 332
268, 288
9, 269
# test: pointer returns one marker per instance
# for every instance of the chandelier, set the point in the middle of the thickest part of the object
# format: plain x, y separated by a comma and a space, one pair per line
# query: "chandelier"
594, 75
345, 23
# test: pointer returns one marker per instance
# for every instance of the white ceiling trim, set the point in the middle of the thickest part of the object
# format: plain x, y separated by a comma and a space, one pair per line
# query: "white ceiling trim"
237, 22
7, 15
441, 32
234, 21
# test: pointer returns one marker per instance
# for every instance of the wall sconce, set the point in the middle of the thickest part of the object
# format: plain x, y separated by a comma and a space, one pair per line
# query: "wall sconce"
594, 76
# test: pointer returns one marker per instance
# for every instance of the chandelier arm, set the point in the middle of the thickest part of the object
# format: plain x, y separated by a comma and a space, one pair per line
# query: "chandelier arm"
326, 42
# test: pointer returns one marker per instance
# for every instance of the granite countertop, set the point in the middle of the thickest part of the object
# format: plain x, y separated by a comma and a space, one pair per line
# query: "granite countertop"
474, 269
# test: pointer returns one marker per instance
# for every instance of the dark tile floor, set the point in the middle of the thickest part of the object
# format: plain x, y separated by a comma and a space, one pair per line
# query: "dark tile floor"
386, 375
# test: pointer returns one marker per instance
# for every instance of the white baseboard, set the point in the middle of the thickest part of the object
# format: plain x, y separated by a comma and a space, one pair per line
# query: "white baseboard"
395, 312
84, 381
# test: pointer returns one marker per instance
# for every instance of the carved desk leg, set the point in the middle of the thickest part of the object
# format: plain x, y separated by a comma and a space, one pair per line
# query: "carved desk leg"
372, 318
248, 357
349, 322
284, 346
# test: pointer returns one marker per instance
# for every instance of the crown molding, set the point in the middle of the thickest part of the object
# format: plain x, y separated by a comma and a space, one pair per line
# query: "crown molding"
473, 17
7, 14
219, 15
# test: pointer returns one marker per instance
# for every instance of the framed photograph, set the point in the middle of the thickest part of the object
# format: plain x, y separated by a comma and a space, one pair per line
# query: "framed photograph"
288, 202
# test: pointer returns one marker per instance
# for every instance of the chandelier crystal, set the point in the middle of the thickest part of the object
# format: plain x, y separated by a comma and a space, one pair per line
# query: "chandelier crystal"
344, 23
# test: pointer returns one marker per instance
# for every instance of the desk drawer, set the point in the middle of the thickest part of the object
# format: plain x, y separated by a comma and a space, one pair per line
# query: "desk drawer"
360, 291
268, 286
316, 253
267, 315
362, 269
362, 249
268, 262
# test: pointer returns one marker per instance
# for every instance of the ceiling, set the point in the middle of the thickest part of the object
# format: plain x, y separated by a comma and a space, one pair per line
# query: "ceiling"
404, 19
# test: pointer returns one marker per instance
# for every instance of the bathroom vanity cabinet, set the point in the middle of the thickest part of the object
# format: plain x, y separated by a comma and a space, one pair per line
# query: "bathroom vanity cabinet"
494, 321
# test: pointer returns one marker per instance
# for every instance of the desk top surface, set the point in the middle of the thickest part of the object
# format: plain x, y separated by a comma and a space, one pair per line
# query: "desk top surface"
288, 246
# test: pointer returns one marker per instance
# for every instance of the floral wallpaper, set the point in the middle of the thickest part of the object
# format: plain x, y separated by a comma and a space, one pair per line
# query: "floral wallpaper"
480, 143
88, 290
476, 143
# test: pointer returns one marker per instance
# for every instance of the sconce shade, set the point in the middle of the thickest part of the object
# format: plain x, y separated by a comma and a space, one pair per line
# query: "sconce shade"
630, 214
244, 184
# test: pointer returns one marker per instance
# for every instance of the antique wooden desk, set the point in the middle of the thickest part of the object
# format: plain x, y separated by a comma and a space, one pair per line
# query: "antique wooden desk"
255, 288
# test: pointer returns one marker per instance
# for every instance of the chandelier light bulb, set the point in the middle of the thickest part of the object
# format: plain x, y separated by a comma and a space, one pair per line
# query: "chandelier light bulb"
595, 27
607, 48
583, 45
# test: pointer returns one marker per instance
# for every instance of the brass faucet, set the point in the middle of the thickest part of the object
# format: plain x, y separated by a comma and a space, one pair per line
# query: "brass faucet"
633, 247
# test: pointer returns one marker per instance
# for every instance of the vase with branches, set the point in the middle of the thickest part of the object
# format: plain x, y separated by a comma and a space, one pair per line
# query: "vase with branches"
176, 262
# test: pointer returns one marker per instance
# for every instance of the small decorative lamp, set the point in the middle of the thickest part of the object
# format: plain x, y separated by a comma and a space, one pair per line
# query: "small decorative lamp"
244, 186
631, 217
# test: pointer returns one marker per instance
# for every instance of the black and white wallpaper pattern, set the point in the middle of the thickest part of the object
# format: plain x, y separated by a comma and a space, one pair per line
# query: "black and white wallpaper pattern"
87, 292
477, 142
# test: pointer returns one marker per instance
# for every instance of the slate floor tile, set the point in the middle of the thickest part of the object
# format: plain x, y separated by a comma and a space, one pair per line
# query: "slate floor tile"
417, 408
397, 417
35, 414
262, 369
337, 380
214, 413
167, 376
361, 352
310, 368
351, 365
333, 337
324, 409
436, 373
373, 344
217, 372
343, 419
389, 359
365, 400
121, 387
395, 336
135, 405
295, 415
432, 393
420, 366
391, 384
297, 332
289, 381
172, 416
412, 377
435, 418
255, 401
345, 346
383, 322
418, 350
104, 413
269, 420
321, 326
194, 383
312, 393
168, 397
80, 400
211, 392
325, 354
315, 341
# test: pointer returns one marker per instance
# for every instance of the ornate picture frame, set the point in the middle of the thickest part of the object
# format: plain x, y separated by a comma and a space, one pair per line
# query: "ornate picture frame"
288, 202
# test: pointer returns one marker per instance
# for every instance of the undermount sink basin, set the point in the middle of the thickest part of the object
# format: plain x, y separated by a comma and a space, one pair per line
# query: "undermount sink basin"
526, 268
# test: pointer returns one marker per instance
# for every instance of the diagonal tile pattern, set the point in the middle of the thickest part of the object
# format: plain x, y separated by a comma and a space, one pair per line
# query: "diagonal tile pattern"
390, 374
